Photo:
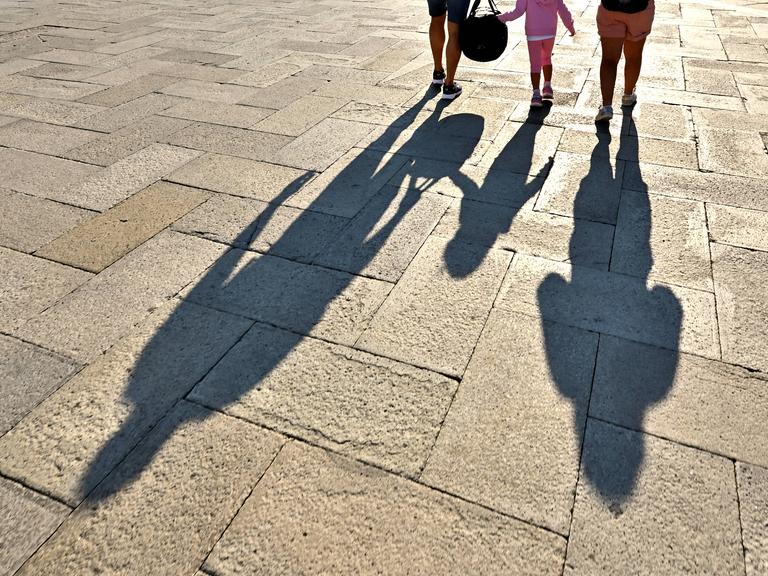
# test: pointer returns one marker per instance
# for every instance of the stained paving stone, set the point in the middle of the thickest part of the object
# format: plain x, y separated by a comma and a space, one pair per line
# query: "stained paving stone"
320, 302
648, 505
218, 113
384, 237
512, 439
74, 438
684, 398
300, 116
437, 310
738, 226
733, 152
128, 113
121, 296
242, 177
246, 223
27, 375
108, 149
125, 92
95, 244
613, 304
251, 144
28, 519
663, 239
42, 175
29, 285
44, 138
741, 281
356, 519
753, 500
30, 222
188, 454
296, 385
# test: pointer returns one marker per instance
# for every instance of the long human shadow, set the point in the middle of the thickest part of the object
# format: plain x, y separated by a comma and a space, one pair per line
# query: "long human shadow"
266, 289
475, 225
590, 300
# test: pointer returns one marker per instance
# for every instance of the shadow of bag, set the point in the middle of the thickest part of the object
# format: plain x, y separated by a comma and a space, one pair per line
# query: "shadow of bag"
483, 37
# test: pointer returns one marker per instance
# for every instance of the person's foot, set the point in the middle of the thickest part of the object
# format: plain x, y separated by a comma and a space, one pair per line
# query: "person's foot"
451, 91
629, 99
438, 77
547, 92
536, 100
604, 114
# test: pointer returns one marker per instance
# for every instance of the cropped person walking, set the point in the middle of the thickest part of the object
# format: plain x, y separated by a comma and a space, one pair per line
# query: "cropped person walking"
456, 10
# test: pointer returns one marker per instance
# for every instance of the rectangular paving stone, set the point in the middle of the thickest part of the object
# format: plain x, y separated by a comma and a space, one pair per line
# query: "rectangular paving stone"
732, 152
57, 71
242, 177
131, 90
364, 93
27, 375
125, 177
710, 81
328, 304
46, 110
219, 113
100, 241
527, 231
392, 412
512, 439
322, 145
523, 148
247, 223
103, 310
30, 222
358, 519
668, 316
753, 500
738, 226
652, 120
647, 505
756, 98
130, 524
693, 99
46, 88
194, 57
27, 519
282, 93
73, 439
43, 138
681, 397
128, 113
29, 285
664, 236
108, 149
80, 57
42, 175
232, 141
345, 187
200, 90
437, 310
384, 237
729, 120
301, 115
741, 283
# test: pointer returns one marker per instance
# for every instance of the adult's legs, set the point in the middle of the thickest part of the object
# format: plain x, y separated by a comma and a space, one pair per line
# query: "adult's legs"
452, 52
633, 60
608, 65
437, 39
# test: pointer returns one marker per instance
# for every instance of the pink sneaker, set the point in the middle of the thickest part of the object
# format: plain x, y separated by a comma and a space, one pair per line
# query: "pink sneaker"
536, 101
547, 93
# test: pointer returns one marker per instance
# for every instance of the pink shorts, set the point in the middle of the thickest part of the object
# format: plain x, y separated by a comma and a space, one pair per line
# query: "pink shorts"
632, 27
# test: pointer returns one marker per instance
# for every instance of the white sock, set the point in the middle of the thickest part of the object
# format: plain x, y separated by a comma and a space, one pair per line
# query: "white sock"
547, 84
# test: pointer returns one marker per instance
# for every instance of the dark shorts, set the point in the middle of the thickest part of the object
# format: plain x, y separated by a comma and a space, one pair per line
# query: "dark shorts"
457, 9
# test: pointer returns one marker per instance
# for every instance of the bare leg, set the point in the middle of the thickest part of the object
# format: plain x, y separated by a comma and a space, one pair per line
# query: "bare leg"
547, 72
633, 60
535, 79
437, 39
452, 52
608, 65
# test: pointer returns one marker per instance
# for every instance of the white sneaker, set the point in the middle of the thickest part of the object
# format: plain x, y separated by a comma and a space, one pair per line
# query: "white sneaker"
604, 113
629, 99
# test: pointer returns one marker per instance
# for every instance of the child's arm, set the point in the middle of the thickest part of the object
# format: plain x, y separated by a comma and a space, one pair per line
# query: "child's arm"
516, 13
565, 16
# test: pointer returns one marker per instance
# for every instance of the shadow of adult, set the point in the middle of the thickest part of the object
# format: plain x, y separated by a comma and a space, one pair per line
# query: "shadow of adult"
480, 226
271, 289
624, 310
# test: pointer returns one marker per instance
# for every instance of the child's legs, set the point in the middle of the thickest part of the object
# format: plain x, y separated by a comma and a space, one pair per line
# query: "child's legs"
534, 54
546, 57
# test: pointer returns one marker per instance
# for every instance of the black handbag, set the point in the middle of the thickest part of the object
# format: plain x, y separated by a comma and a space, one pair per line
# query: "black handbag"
482, 35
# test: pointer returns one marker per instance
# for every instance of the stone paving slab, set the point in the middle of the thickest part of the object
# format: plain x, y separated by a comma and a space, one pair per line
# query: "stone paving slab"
753, 499
315, 511
44, 138
252, 144
738, 226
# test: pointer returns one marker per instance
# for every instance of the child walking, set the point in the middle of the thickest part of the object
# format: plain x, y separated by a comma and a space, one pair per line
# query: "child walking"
540, 30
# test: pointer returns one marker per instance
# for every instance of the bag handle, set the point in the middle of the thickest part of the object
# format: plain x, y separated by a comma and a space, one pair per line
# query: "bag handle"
491, 4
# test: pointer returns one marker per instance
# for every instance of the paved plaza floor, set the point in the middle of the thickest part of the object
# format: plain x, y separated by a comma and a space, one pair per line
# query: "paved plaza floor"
268, 305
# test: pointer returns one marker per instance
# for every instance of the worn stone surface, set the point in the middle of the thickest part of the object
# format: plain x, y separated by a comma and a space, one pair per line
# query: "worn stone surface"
43, 138
228, 140
125, 114
738, 226
41, 175
28, 519
140, 528
680, 516
218, 113
753, 499
314, 511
